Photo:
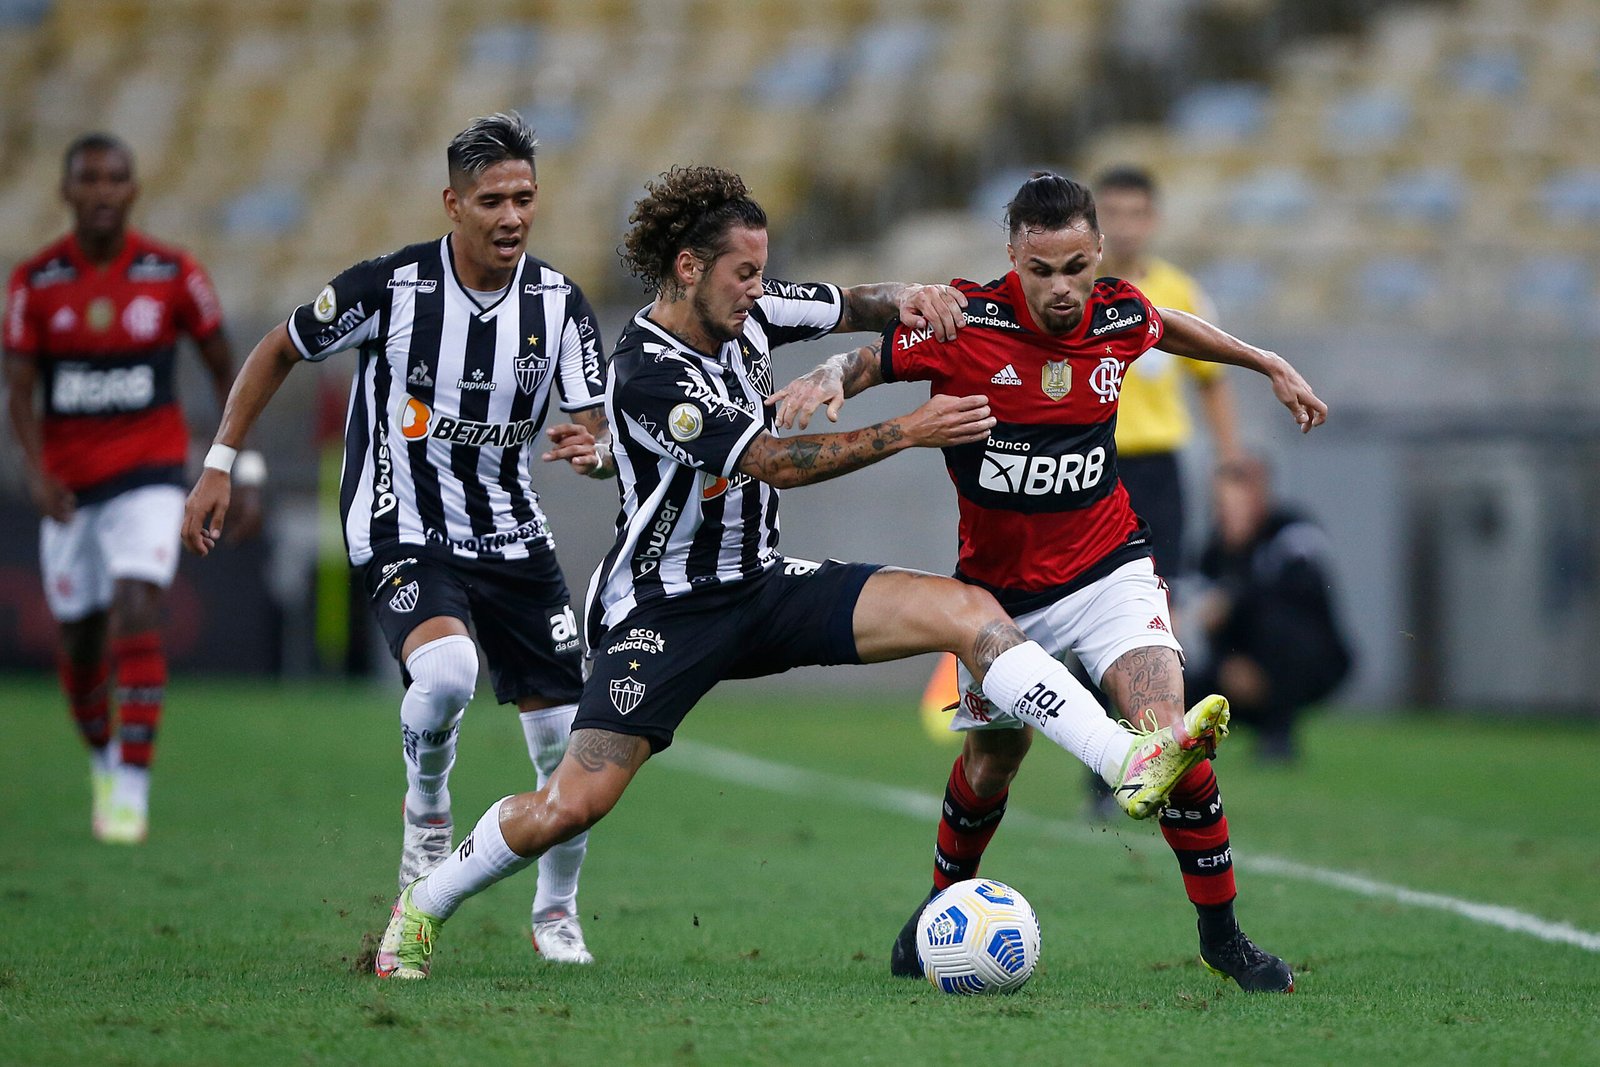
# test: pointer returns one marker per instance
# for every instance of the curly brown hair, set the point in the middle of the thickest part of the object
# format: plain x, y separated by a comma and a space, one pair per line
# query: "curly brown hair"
685, 207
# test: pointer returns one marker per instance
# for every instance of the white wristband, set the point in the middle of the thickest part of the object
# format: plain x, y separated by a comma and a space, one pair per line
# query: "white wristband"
250, 471
221, 458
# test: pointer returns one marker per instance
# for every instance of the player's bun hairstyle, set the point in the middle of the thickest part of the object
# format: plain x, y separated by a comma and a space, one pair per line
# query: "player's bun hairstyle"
1127, 177
1048, 201
93, 142
487, 140
685, 207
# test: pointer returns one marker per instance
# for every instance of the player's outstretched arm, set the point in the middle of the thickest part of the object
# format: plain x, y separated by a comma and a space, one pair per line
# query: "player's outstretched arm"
585, 443
943, 421
1189, 335
875, 306
264, 371
828, 384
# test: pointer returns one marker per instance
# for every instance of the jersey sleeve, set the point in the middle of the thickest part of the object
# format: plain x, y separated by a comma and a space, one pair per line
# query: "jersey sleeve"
674, 411
21, 336
344, 315
199, 310
581, 360
798, 311
911, 355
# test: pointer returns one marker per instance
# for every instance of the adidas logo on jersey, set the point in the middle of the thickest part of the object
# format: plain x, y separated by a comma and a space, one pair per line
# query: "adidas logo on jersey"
1007, 375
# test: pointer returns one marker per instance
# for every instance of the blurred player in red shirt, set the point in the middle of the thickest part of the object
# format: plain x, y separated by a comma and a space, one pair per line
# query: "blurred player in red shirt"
91, 330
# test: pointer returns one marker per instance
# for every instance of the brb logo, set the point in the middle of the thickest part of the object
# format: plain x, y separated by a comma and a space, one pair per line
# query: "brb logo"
1030, 475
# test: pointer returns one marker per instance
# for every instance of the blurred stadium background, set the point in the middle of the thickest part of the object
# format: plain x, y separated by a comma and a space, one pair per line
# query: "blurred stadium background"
1402, 197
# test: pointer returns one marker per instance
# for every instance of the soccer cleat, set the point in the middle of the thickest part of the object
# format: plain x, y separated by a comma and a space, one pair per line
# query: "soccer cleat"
407, 940
1256, 971
423, 845
123, 824
904, 959
558, 937
1157, 762
102, 786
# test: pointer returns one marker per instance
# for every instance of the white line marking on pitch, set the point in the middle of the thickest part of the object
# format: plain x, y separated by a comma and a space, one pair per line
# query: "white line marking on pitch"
713, 762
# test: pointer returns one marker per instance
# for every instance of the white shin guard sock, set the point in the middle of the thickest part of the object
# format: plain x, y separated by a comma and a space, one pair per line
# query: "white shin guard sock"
1029, 681
546, 731
477, 863
443, 675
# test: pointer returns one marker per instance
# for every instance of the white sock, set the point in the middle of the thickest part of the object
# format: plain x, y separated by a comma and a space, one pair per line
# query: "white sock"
557, 892
105, 759
132, 788
443, 675
477, 863
1031, 682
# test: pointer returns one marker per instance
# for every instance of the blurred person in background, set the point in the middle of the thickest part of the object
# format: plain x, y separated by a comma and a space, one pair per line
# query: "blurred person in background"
462, 343
695, 589
1276, 645
1047, 528
92, 323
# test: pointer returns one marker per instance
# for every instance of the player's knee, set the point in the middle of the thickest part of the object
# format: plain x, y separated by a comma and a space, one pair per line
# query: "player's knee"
991, 767
576, 811
445, 671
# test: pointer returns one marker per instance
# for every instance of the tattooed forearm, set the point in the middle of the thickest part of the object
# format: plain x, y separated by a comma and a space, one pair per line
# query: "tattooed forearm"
871, 307
790, 461
862, 368
993, 639
595, 750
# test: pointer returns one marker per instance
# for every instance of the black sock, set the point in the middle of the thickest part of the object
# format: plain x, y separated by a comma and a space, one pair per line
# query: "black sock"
1217, 923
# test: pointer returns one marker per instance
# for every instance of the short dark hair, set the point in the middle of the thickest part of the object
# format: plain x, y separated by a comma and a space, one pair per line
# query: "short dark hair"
1128, 177
685, 207
487, 140
1048, 201
95, 141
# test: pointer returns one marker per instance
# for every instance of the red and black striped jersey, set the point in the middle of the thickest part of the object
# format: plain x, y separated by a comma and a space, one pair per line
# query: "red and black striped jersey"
104, 338
1042, 510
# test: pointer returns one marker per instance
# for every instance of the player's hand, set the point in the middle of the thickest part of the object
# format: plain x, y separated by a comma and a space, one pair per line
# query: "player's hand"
53, 499
823, 387
950, 420
205, 511
577, 446
1294, 393
939, 307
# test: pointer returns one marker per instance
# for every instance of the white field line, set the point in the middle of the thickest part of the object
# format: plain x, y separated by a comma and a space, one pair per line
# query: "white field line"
711, 761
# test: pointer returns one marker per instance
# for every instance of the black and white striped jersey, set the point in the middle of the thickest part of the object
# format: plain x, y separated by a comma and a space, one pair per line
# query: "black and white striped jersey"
681, 421
449, 397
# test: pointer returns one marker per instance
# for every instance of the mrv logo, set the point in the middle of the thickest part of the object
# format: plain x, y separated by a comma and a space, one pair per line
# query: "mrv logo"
1030, 475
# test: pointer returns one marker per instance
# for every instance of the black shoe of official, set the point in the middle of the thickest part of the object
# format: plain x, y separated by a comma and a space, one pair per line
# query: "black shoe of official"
904, 961
1255, 971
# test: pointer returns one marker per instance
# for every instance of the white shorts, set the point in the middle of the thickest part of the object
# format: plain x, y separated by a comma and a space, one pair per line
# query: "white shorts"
1125, 610
132, 535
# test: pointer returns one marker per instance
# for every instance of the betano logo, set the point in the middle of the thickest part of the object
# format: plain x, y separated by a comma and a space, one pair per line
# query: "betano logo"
419, 421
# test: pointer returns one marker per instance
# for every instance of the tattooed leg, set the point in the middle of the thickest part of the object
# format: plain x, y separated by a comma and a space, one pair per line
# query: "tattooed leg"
587, 783
1146, 678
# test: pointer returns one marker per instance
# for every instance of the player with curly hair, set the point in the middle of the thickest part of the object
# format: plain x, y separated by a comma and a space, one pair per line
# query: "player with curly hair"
695, 590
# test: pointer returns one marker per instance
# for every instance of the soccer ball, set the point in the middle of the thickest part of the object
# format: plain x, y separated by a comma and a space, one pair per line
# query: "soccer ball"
978, 936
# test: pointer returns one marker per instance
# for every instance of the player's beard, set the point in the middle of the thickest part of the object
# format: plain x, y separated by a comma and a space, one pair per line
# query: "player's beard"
718, 330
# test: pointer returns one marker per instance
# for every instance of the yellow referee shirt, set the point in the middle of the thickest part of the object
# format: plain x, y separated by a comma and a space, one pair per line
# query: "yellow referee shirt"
1153, 414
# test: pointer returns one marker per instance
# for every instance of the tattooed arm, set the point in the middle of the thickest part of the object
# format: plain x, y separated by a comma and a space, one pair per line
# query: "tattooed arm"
786, 462
840, 376
873, 307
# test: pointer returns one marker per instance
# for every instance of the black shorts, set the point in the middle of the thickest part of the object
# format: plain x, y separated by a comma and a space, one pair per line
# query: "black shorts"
519, 609
651, 668
1155, 489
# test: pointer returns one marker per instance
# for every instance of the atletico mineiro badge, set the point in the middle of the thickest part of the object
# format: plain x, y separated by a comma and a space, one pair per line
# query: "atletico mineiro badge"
1056, 379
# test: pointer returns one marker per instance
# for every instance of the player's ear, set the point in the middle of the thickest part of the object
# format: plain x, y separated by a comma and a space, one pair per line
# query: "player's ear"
687, 266
452, 203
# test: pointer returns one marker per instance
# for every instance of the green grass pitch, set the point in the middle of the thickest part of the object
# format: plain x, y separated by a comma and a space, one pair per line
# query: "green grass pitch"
741, 913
